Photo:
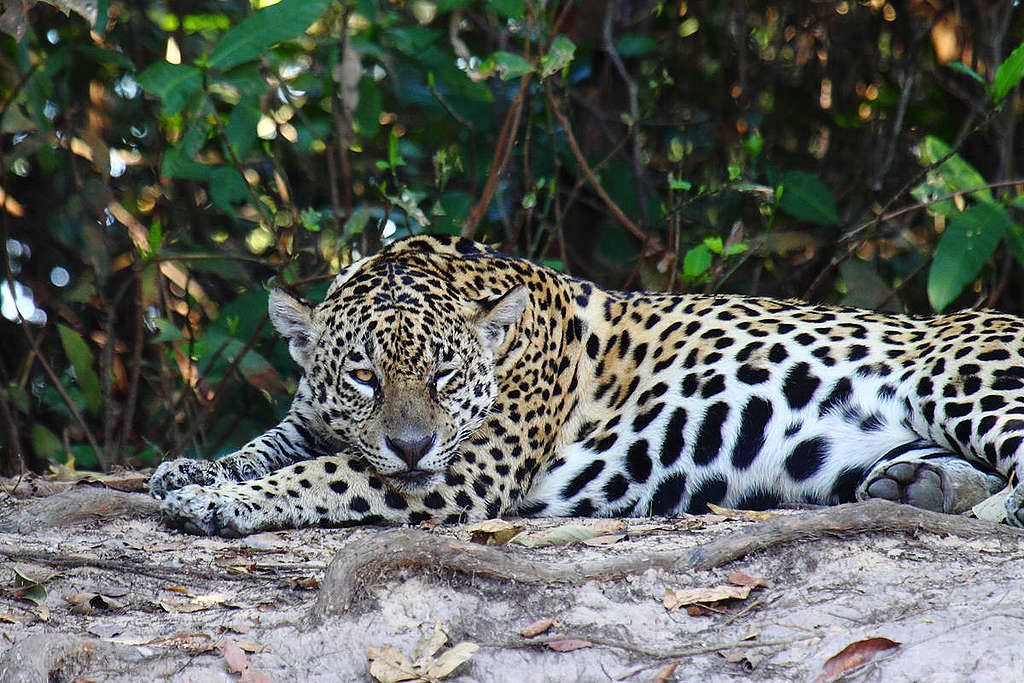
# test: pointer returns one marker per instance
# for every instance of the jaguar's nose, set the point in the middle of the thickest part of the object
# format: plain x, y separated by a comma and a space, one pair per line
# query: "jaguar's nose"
410, 450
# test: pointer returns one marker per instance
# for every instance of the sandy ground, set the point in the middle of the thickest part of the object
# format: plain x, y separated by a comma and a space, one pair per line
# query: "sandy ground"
120, 598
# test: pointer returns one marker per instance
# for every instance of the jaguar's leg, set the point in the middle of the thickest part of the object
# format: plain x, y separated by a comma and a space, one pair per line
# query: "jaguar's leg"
928, 476
287, 443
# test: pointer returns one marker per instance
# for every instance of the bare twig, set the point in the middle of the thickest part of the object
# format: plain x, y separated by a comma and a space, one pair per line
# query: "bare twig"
205, 411
33, 342
589, 173
502, 153
870, 225
632, 92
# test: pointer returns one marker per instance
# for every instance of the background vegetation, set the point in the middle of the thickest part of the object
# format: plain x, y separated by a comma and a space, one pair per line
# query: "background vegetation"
163, 163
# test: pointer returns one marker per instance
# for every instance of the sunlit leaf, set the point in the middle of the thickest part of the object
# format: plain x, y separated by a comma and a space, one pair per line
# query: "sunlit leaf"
953, 174
804, 196
1008, 74
696, 261
82, 360
263, 29
558, 57
964, 248
510, 65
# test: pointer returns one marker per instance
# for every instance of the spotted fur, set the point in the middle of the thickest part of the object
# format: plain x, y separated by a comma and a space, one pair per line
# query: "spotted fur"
447, 382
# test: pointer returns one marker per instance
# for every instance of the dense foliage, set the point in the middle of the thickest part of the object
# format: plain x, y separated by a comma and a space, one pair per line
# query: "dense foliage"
164, 163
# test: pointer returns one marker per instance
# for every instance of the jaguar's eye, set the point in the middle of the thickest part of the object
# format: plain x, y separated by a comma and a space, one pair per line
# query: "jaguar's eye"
364, 376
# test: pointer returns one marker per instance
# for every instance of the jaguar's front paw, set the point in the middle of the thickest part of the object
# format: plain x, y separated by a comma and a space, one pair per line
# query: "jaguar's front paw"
175, 474
208, 511
1015, 507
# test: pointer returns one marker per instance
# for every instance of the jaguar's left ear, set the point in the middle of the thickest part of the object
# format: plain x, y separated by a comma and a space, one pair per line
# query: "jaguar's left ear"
498, 315
292, 319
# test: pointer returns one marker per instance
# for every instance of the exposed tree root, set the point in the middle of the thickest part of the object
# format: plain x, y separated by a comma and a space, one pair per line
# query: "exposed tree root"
75, 506
350, 572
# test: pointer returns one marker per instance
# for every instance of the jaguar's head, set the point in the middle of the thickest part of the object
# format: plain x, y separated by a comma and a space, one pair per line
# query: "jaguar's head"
400, 368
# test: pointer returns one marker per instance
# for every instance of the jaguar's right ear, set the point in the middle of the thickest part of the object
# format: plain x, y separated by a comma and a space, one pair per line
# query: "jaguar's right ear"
293, 320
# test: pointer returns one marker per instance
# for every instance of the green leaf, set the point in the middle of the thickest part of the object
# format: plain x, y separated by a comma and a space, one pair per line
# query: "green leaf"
696, 262
633, 45
394, 158
155, 238
1008, 74
960, 67
1015, 240
509, 65
166, 331
558, 57
714, 244
805, 197
957, 173
263, 29
176, 165
368, 111
953, 175
172, 83
45, 443
964, 248
82, 361
241, 127
513, 9
675, 183
227, 187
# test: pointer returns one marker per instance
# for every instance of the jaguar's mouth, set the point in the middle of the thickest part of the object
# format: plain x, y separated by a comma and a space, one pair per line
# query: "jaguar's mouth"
415, 480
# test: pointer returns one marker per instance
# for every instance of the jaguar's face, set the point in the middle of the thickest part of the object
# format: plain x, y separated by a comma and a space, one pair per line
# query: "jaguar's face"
401, 380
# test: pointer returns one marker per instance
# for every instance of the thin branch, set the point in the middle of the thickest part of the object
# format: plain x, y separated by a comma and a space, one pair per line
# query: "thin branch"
870, 225
204, 413
502, 153
33, 342
589, 173
632, 92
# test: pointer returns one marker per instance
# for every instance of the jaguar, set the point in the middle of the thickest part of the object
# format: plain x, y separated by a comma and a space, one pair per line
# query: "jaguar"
444, 381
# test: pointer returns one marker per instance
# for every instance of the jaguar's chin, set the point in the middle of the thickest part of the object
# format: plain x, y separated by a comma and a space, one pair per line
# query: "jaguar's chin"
415, 481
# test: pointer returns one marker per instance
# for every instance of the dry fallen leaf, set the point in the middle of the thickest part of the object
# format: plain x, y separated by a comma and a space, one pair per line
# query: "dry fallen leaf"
562, 535
538, 627
607, 539
388, 665
569, 644
855, 654
744, 515
674, 599
451, 659
238, 663
493, 531
665, 673
429, 643
739, 578
993, 508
